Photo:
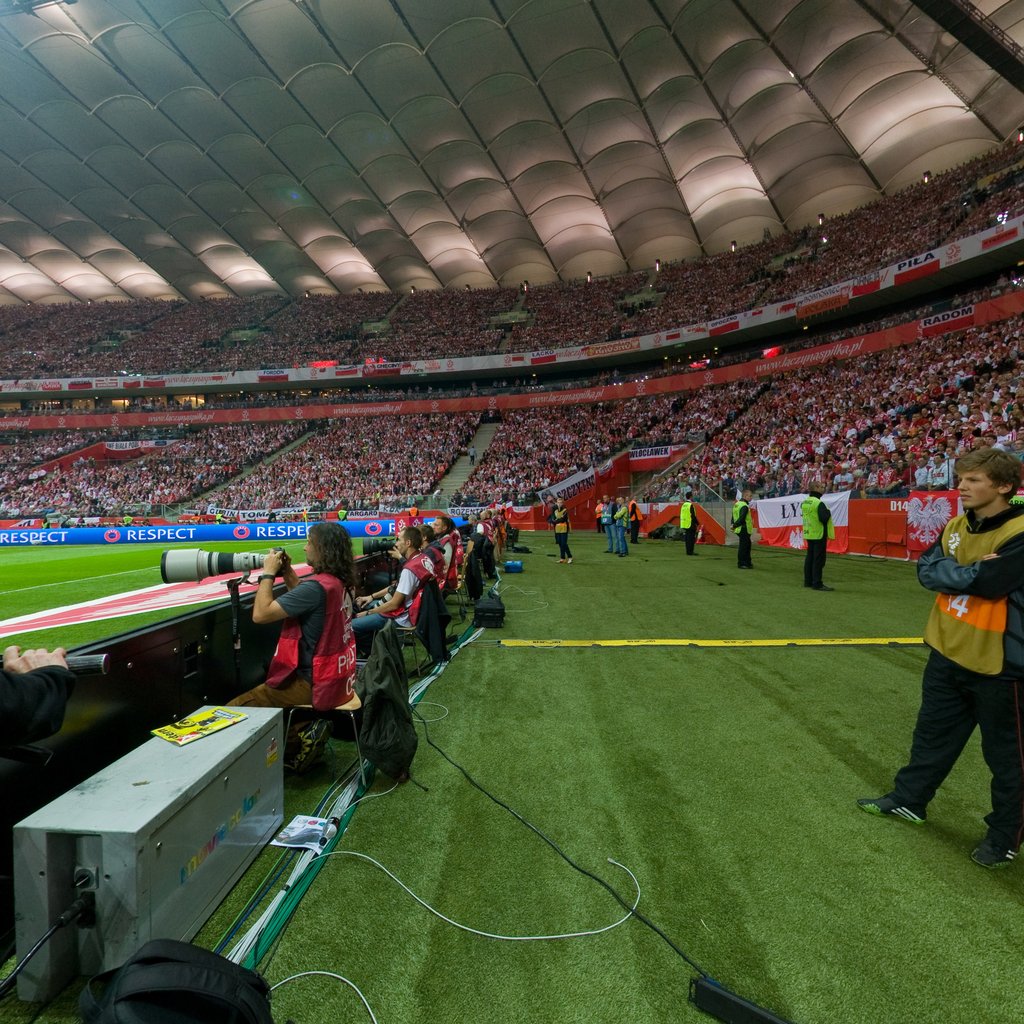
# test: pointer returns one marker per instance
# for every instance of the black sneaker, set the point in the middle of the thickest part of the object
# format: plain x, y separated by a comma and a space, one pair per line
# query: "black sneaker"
990, 854
886, 805
313, 742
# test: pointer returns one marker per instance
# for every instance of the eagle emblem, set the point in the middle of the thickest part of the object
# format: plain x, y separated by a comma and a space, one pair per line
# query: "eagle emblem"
925, 519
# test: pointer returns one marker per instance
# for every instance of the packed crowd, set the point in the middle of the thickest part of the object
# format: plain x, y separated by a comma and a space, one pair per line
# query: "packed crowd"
192, 465
538, 447
362, 464
151, 337
572, 313
22, 455
447, 324
881, 425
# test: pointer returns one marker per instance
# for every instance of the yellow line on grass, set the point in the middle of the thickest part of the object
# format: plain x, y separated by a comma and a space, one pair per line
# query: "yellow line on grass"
864, 641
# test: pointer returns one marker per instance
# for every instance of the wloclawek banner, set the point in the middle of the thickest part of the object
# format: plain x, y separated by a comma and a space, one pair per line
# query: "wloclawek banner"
654, 457
781, 522
927, 514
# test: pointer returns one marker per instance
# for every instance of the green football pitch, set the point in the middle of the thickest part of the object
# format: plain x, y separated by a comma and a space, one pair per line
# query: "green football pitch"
716, 751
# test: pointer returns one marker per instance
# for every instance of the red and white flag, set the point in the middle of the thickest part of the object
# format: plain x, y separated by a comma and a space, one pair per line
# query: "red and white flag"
781, 523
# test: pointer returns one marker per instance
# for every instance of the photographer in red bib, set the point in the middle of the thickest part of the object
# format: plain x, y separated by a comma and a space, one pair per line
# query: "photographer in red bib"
315, 659
404, 604
976, 666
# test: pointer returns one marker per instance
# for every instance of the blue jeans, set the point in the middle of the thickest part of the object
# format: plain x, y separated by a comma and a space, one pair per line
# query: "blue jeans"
620, 540
365, 627
609, 529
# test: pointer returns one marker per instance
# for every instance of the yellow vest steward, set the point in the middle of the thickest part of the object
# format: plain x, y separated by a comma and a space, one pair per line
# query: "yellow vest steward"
737, 511
813, 527
686, 515
965, 628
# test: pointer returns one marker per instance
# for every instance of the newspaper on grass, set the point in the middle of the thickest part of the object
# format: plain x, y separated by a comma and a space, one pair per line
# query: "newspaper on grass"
305, 833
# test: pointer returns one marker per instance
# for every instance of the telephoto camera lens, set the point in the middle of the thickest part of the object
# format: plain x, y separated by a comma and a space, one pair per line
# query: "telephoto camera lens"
190, 565
376, 545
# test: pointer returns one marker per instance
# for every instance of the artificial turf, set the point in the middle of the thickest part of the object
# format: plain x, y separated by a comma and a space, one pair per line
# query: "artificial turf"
724, 778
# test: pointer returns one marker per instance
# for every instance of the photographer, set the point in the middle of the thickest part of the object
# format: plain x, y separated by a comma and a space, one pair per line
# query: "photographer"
34, 690
434, 550
315, 660
403, 605
450, 540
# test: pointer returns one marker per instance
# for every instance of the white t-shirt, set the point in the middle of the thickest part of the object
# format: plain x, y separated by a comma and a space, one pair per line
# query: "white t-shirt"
407, 584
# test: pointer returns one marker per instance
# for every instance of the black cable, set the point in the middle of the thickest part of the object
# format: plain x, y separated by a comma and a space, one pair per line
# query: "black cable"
628, 907
82, 905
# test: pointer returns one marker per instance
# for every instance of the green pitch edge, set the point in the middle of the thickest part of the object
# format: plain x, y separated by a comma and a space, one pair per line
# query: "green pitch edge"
863, 641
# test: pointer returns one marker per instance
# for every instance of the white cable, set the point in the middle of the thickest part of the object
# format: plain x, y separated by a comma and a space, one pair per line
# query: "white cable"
491, 935
433, 704
329, 974
344, 801
372, 796
539, 607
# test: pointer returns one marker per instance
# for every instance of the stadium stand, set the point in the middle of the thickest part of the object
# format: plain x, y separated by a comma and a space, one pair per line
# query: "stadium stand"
194, 464
369, 463
152, 337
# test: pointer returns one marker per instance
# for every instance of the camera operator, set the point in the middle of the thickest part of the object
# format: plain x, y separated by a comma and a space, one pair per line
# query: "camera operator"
34, 690
315, 659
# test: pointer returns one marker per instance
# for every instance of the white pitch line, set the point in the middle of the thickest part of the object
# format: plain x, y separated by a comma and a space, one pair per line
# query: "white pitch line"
70, 583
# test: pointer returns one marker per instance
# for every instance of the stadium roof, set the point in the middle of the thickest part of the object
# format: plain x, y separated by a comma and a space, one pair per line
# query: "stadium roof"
191, 148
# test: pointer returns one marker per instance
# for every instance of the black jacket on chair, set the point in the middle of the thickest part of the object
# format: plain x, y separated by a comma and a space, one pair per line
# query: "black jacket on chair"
387, 736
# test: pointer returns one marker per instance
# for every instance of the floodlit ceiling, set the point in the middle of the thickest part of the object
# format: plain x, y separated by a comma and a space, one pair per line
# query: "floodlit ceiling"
202, 148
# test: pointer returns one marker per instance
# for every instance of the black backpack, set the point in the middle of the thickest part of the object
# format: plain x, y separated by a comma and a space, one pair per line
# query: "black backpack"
170, 982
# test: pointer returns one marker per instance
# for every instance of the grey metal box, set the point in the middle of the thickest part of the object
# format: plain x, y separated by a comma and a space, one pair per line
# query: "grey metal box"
161, 836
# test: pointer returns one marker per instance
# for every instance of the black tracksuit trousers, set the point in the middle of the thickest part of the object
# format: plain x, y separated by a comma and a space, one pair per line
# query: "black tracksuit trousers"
954, 701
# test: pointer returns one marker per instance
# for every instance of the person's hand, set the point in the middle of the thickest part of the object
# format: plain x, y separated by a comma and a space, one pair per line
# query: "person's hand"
393, 553
362, 602
17, 662
272, 563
